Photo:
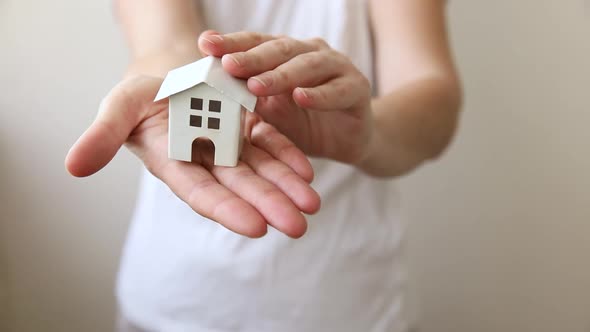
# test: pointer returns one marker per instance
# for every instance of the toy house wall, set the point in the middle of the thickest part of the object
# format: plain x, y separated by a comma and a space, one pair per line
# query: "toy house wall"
226, 138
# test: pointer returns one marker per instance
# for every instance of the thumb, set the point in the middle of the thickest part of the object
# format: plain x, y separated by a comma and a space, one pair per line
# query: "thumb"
124, 107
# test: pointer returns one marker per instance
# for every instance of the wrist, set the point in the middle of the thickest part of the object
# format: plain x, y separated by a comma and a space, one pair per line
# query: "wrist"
385, 154
372, 147
372, 144
159, 64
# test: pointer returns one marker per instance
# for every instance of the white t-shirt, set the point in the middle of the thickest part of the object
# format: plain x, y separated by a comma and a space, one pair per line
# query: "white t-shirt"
182, 272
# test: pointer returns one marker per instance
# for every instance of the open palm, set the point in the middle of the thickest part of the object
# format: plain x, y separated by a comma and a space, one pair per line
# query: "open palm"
269, 186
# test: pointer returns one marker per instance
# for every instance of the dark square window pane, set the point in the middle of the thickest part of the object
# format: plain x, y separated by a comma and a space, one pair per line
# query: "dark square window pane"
196, 103
213, 123
196, 121
214, 106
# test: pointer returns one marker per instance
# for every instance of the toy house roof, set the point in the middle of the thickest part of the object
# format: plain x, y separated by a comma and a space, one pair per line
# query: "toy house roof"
207, 70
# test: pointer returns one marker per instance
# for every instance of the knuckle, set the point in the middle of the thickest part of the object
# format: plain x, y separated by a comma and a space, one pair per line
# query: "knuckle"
288, 175
343, 89
254, 36
319, 43
284, 46
238, 176
320, 95
312, 60
253, 58
218, 209
283, 76
339, 58
336, 57
268, 193
359, 78
285, 150
204, 184
365, 82
196, 193
230, 41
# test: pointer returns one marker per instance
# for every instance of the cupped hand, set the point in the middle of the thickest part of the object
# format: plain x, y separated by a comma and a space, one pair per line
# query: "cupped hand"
269, 186
307, 90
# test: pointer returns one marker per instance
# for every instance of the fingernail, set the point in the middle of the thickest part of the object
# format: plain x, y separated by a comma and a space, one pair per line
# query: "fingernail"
213, 39
208, 40
218, 37
304, 93
262, 82
234, 58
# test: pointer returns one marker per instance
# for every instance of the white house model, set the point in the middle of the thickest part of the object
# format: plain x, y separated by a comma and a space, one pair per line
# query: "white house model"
206, 102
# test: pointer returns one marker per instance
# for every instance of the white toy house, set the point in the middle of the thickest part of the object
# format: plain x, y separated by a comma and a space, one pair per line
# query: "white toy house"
206, 102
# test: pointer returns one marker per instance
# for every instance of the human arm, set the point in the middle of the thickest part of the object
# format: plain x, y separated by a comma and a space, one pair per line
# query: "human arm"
316, 96
419, 94
160, 34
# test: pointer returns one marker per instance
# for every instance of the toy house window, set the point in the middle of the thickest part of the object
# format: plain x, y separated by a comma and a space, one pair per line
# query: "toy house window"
196, 121
196, 104
213, 123
214, 106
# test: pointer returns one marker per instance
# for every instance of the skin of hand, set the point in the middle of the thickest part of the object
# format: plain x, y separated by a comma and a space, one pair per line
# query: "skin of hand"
270, 185
308, 91
326, 111
316, 97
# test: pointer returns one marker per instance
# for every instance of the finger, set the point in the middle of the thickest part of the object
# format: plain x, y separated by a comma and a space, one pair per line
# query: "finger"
267, 138
217, 45
201, 191
125, 106
304, 70
278, 210
195, 185
279, 174
339, 93
266, 56
207, 40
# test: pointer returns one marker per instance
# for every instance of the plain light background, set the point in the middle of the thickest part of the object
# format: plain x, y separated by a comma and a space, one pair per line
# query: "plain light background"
500, 227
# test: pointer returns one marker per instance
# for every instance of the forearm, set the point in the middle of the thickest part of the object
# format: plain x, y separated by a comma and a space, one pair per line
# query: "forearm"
161, 34
420, 95
412, 124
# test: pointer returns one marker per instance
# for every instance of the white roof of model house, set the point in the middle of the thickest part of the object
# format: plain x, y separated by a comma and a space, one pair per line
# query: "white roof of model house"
207, 70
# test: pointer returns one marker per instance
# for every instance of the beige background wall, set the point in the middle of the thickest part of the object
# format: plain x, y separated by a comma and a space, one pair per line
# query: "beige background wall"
500, 231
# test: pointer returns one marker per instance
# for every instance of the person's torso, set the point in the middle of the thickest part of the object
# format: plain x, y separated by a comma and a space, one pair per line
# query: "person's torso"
182, 272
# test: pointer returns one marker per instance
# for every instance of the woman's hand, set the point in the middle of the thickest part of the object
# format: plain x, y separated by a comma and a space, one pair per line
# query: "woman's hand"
270, 184
308, 91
